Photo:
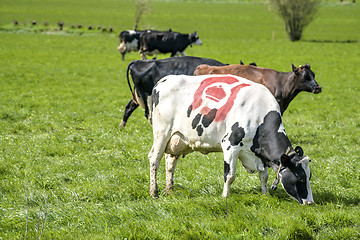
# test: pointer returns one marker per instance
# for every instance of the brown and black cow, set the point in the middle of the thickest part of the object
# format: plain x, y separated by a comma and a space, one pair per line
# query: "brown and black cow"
283, 85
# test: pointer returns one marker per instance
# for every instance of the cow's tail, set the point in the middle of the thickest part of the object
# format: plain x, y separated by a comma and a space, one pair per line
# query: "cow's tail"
127, 77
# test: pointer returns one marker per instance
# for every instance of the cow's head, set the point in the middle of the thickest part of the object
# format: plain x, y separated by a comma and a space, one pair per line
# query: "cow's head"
122, 49
294, 174
195, 39
305, 78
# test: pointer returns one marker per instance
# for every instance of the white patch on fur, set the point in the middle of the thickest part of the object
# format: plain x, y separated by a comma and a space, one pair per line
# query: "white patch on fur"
197, 42
132, 46
305, 165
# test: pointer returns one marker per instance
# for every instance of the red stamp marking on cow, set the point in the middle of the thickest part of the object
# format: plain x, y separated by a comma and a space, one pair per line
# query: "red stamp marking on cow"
217, 93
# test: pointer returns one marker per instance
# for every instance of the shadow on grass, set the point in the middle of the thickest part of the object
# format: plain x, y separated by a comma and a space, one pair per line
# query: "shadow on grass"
324, 198
332, 41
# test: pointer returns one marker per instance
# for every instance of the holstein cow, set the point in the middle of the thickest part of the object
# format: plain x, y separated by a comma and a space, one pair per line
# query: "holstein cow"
146, 73
283, 85
167, 42
229, 114
129, 41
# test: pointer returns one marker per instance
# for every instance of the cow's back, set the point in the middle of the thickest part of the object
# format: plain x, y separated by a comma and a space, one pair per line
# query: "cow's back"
264, 76
183, 65
146, 73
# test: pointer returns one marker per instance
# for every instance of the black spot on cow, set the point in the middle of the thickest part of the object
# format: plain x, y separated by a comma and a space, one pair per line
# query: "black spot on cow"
228, 148
226, 170
155, 98
209, 118
189, 111
196, 120
199, 130
237, 134
267, 139
223, 140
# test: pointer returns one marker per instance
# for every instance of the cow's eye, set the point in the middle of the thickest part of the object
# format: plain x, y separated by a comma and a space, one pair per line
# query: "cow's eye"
302, 180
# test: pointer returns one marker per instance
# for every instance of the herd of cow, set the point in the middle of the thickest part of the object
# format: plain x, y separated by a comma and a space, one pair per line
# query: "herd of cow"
201, 104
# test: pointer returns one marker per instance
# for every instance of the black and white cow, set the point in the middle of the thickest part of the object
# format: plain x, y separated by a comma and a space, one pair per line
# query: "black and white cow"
146, 73
129, 41
214, 113
152, 42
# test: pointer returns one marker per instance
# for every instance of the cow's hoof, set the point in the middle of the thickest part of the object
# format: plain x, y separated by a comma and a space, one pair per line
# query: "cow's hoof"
122, 124
308, 203
154, 194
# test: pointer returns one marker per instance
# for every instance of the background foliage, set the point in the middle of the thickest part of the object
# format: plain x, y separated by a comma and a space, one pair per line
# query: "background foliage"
67, 171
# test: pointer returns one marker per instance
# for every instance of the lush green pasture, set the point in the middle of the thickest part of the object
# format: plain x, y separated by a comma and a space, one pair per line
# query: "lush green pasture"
68, 172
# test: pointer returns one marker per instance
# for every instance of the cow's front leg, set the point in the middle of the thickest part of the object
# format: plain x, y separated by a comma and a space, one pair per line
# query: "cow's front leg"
171, 162
263, 175
230, 160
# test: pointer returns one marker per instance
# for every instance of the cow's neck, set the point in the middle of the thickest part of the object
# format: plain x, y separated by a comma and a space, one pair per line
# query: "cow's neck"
189, 40
287, 90
270, 141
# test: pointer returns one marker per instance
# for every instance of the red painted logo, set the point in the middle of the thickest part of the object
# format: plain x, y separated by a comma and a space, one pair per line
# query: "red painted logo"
217, 93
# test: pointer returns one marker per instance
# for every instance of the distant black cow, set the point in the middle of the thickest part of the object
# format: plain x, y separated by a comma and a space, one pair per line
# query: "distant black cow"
146, 73
166, 42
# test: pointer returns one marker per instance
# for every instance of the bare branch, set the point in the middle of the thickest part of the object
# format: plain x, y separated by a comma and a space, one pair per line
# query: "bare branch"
142, 6
296, 15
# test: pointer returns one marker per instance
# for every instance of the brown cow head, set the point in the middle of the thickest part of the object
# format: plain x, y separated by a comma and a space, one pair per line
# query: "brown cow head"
305, 78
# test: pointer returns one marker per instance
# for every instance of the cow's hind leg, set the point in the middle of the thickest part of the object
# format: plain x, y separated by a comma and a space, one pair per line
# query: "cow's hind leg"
129, 108
171, 162
161, 137
230, 160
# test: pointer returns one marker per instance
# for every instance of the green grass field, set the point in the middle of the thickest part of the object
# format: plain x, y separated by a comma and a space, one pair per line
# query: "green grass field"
68, 172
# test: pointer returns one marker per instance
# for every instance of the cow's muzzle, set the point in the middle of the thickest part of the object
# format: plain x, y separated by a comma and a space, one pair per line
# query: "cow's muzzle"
317, 89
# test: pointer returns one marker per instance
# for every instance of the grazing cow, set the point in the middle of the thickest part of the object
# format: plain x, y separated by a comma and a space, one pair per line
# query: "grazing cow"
167, 42
229, 114
129, 41
284, 86
146, 73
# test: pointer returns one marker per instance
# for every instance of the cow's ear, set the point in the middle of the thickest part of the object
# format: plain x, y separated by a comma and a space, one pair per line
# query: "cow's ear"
299, 151
285, 160
294, 69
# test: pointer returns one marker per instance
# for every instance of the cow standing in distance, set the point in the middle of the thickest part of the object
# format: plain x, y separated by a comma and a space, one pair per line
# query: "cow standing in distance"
146, 73
215, 113
130, 40
152, 42
283, 85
